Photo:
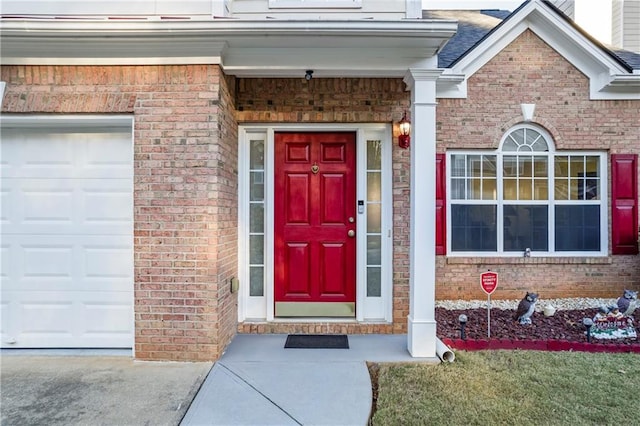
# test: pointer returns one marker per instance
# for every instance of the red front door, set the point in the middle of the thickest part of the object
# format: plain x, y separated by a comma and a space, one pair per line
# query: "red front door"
315, 213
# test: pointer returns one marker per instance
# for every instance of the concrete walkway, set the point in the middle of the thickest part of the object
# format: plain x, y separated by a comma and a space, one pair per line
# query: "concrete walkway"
258, 382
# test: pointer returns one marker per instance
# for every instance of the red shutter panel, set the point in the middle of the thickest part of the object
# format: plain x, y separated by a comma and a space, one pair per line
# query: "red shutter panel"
441, 218
624, 203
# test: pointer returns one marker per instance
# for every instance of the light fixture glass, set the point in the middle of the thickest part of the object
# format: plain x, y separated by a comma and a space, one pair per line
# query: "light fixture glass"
404, 139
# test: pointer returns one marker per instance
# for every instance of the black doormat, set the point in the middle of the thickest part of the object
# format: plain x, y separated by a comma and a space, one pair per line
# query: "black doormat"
317, 341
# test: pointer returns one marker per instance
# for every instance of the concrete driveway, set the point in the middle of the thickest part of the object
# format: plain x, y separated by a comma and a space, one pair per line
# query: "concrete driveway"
95, 390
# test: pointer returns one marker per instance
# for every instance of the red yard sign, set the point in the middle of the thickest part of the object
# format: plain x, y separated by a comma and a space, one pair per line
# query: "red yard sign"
489, 282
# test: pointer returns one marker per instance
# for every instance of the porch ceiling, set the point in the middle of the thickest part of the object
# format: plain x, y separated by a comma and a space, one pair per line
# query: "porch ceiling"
265, 48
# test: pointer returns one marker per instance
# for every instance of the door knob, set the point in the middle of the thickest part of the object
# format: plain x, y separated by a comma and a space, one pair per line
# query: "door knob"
351, 233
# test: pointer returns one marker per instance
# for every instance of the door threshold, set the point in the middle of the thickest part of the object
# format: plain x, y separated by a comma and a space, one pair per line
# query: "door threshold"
315, 309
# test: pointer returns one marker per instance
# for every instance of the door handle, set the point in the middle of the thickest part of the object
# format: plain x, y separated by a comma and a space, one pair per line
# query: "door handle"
351, 233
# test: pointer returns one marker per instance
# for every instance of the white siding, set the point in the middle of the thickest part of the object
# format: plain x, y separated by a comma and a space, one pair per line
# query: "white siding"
147, 8
335, 9
207, 9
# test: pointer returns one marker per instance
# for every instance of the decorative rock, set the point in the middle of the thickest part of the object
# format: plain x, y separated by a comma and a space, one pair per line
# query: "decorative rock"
559, 304
549, 310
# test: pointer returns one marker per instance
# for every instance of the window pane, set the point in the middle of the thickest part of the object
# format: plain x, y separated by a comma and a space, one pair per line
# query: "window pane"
473, 228
474, 189
577, 228
540, 145
256, 281
489, 191
525, 166
256, 217
518, 136
541, 191
374, 250
509, 145
576, 166
592, 164
374, 218
374, 282
374, 155
458, 165
525, 227
457, 189
561, 166
256, 249
561, 189
510, 190
524, 189
540, 166
510, 166
257, 186
474, 165
256, 155
489, 166
531, 137
374, 188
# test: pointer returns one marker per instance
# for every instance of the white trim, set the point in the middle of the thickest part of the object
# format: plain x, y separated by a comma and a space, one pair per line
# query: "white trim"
2, 86
382, 311
48, 121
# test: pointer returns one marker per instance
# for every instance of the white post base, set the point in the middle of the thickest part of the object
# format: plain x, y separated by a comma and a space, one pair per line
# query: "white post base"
421, 338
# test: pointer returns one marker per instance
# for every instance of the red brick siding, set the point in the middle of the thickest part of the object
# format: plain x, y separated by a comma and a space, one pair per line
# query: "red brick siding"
529, 71
185, 216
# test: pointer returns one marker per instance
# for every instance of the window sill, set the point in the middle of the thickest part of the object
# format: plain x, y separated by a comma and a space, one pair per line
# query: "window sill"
605, 260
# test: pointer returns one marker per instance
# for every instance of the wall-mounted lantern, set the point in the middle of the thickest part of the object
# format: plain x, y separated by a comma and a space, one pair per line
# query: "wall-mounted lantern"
404, 139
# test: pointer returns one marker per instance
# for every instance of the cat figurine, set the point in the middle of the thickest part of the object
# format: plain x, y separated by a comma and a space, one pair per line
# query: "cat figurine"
525, 309
627, 302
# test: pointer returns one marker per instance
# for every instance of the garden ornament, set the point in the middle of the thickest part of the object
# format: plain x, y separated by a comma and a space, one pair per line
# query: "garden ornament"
525, 309
627, 302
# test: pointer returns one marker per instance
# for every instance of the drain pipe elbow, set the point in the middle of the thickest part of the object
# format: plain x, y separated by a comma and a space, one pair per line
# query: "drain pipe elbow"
444, 352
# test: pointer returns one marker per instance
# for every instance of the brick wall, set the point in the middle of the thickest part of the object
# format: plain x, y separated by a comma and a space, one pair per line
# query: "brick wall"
529, 71
185, 216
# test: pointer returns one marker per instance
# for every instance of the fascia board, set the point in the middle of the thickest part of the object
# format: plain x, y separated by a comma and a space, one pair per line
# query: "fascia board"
152, 42
234, 30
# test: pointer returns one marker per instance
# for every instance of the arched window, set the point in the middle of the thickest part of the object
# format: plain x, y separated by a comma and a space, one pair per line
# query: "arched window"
527, 198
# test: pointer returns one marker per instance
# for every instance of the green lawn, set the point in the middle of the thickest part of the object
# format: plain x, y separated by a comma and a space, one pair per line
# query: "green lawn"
512, 388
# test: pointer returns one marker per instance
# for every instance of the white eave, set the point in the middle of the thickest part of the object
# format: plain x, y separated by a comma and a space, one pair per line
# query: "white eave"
609, 79
264, 48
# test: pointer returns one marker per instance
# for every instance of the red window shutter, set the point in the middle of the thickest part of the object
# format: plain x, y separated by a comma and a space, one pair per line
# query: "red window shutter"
441, 218
624, 203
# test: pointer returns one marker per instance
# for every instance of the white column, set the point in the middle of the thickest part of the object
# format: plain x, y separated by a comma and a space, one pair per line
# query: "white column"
422, 262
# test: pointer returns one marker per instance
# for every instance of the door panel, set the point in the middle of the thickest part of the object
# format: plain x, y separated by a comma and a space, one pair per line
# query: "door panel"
314, 254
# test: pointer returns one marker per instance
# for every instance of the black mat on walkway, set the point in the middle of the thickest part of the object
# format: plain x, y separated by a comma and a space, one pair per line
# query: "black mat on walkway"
317, 341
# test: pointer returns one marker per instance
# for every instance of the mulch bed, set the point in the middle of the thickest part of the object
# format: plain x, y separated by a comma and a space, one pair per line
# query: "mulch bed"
562, 331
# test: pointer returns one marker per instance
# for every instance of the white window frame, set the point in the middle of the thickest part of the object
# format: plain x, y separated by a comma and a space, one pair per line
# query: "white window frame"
368, 309
551, 202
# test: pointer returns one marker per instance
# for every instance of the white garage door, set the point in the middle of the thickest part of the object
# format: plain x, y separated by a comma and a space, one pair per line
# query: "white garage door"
67, 237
